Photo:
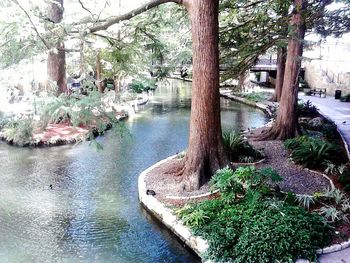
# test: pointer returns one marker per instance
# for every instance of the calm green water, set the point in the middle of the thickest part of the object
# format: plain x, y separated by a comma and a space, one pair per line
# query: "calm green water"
92, 213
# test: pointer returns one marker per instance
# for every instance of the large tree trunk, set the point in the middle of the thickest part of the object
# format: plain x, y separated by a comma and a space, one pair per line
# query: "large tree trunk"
205, 152
56, 67
286, 125
281, 65
56, 61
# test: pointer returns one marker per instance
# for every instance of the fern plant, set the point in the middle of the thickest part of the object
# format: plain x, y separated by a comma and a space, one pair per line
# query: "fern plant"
19, 132
238, 148
314, 152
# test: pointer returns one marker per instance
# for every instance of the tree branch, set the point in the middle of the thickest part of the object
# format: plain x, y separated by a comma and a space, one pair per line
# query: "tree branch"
85, 8
33, 25
130, 15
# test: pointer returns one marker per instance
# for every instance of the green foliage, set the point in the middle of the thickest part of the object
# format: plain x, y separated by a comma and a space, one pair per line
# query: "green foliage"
328, 129
292, 144
139, 86
191, 216
3, 122
19, 132
312, 152
305, 200
331, 168
238, 148
258, 232
244, 181
306, 108
226, 181
14, 46
283, 235
88, 111
335, 206
255, 96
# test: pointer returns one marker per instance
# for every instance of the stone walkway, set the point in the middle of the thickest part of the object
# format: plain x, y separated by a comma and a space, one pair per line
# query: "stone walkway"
339, 112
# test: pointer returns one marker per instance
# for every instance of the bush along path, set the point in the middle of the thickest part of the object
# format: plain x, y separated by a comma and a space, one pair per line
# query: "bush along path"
250, 222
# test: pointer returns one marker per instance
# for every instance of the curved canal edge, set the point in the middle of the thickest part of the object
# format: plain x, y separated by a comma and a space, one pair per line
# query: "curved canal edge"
199, 245
167, 216
266, 108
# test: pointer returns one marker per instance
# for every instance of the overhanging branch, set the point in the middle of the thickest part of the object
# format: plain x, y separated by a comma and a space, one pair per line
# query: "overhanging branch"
130, 15
33, 25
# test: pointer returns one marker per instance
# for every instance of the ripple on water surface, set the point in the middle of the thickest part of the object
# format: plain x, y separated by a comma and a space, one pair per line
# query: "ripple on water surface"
92, 213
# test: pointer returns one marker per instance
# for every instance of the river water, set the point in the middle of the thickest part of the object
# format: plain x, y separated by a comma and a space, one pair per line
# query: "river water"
92, 213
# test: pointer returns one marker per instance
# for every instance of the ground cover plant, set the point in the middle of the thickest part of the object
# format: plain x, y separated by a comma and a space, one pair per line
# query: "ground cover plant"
18, 132
314, 152
249, 222
239, 149
255, 96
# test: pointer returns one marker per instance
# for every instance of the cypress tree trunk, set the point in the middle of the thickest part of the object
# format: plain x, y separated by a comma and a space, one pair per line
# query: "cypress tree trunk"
56, 61
286, 125
281, 65
205, 152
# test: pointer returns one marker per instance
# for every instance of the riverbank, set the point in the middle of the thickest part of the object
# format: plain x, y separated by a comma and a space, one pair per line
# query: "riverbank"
161, 211
268, 107
25, 129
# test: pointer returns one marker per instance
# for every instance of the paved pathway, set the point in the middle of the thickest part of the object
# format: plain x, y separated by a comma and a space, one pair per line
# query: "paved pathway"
339, 112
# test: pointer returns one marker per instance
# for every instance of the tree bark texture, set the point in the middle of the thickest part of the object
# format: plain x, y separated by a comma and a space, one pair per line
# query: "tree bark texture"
205, 153
286, 125
56, 61
56, 67
281, 65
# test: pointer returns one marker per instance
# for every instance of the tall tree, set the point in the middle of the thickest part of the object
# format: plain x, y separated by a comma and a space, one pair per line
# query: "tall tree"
205, 151
286, 125
56, 61
281, 66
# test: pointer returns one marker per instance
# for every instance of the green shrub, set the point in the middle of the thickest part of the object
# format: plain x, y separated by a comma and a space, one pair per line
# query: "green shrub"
256, 227
146, 84
238, 148
89, 111
314, 152
306, 108
259, 232
3, 122
19, 132
242, 181
281, 235
328, 129
294, 143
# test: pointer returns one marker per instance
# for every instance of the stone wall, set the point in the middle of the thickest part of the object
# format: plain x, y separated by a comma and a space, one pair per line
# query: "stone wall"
324, 78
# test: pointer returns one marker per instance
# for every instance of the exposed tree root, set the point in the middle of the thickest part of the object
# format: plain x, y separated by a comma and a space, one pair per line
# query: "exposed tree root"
277, 133
194, 173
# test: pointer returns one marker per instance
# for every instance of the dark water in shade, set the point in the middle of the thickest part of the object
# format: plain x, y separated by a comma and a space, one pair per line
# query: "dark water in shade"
92, 213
